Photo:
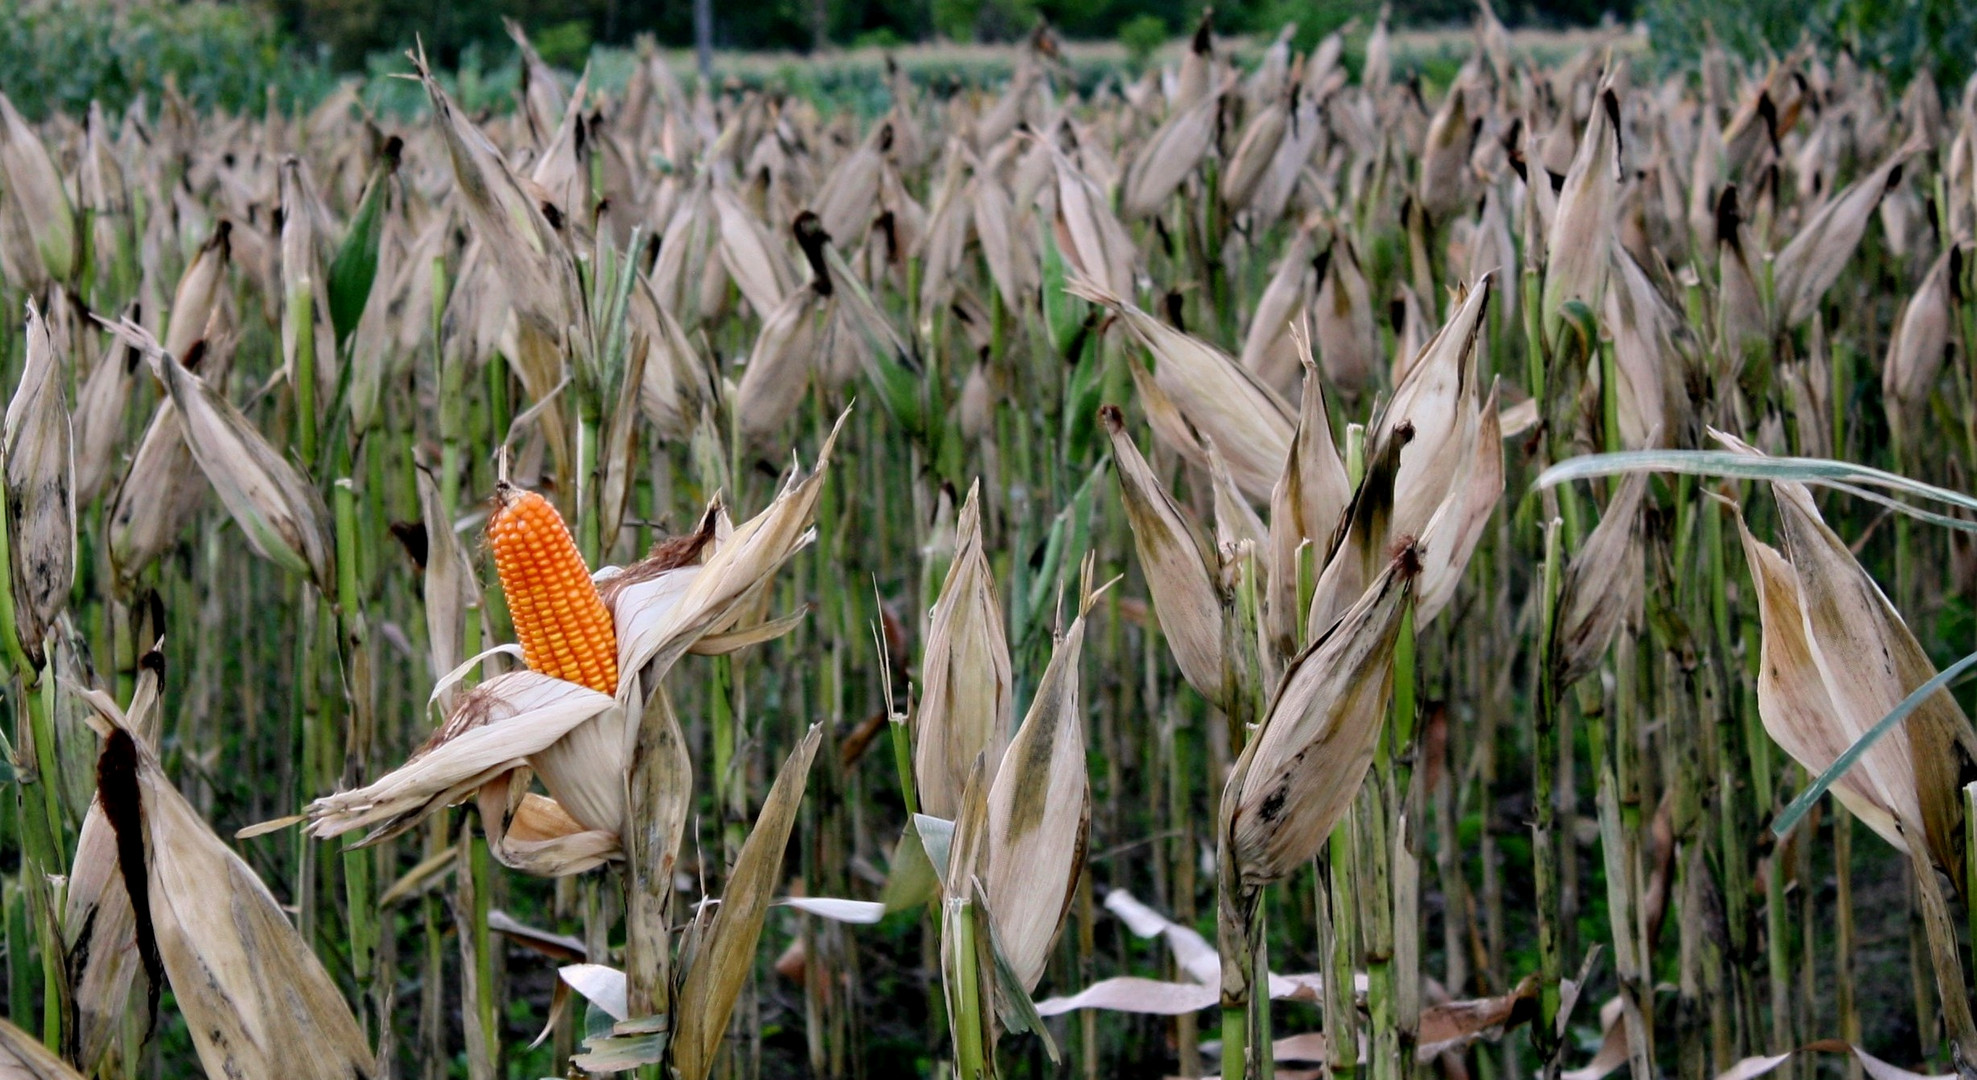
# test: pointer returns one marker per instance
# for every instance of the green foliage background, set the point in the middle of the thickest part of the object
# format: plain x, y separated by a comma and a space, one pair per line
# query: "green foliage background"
62, 54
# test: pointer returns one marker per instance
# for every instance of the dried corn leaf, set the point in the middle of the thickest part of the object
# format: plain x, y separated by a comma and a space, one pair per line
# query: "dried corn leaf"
726, 956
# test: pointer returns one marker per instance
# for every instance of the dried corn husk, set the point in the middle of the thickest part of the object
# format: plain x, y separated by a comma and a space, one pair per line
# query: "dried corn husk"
965, 708
1179, 567
1792, 699
1582, 231
1168, 156
1039, 815
200, 290
1602, 587
493, 731
22, 1057
1217, 396
305, 288
1868, 662
1649, 339
1922, 335
99, 928
1303, 766
1817, 255
36, 205
1091, 238
1268, 349
1305, 508
1342, 319
1451, 535
1445, 157
39, 460
281, 513
256, 1000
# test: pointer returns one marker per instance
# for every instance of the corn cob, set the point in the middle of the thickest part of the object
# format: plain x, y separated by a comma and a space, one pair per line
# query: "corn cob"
565, 629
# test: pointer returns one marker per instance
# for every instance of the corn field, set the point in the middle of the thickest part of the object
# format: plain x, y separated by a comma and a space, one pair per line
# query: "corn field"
1271, 569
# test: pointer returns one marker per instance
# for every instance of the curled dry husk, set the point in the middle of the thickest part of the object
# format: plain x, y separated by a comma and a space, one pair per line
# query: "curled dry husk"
966, 705
256, 1000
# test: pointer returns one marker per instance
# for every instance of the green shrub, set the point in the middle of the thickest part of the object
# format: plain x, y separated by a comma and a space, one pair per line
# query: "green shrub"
564, 45
1142, 35
1900, 37
60, 54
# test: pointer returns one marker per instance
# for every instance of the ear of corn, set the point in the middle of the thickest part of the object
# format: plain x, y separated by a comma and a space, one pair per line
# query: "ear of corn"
564, 628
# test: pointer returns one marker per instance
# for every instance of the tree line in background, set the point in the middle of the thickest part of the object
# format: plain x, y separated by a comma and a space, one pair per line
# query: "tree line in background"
62, 54
353, 29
